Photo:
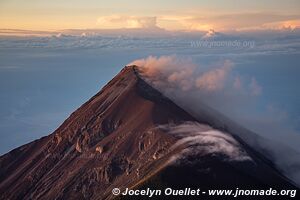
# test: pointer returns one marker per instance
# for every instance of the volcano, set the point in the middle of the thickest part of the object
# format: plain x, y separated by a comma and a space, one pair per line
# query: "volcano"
125, 137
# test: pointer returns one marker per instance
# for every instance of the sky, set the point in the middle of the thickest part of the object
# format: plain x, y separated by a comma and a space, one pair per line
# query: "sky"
244, 54
188, 15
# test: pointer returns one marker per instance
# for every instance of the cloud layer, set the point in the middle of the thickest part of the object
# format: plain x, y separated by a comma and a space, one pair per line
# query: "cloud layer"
242, 21
222, 22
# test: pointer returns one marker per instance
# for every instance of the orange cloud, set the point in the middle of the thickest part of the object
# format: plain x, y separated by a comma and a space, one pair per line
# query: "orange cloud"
236, 21
118, 21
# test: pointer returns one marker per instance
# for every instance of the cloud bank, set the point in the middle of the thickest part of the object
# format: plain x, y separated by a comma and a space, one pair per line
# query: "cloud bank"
242, 21
247, 21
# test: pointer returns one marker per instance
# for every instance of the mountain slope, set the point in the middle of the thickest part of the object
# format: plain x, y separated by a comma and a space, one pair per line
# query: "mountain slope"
114, 140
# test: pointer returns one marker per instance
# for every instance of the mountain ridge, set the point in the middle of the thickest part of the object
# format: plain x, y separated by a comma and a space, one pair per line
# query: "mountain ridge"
113, 140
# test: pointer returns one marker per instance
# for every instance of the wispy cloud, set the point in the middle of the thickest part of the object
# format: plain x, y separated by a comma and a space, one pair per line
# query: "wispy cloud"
198, 139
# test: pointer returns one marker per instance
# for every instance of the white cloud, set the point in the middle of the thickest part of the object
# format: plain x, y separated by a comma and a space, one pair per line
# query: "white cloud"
199, 139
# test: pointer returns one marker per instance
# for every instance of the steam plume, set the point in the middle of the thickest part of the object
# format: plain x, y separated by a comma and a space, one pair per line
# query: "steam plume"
218, 87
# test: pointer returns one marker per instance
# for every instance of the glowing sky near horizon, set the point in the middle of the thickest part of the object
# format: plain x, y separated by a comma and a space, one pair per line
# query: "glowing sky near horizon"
168, 14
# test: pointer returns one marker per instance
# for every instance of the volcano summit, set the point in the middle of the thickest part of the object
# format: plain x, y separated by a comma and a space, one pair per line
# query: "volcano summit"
129, 135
